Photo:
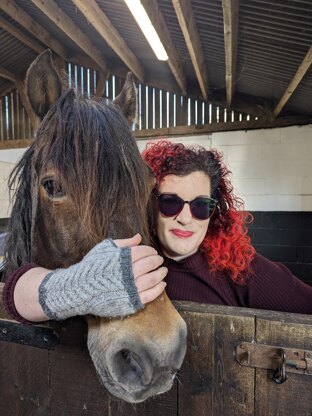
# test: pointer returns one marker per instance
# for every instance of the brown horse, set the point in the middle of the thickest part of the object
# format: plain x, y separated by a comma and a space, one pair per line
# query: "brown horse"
82, 180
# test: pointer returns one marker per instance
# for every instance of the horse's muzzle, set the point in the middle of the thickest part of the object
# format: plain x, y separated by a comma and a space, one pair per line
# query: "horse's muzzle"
144, 370
134, 367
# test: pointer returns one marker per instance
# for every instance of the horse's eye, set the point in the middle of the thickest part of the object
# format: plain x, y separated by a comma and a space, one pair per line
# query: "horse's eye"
52, 188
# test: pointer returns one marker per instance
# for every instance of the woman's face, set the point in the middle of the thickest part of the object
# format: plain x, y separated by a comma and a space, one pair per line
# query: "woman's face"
180, 236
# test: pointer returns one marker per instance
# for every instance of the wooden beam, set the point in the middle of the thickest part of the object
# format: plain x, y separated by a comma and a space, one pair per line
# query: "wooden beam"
15, 144
152, 9
101, 84
184, 12
20, 36
217, 127
56, 14
305, 65
94, 14
4, 73
26, 21
230, 25
23, 96
6, 88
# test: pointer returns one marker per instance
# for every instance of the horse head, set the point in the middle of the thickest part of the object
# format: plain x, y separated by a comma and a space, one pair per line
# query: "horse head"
83, 180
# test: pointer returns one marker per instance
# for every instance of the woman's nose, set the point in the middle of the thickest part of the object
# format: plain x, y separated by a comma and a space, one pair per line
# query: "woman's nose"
185, 216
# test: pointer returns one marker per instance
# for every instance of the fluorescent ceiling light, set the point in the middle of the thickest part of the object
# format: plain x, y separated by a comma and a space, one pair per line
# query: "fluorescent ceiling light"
147, 28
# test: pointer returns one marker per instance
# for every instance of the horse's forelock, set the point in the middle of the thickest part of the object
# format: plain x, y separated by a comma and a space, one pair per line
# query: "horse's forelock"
90, 144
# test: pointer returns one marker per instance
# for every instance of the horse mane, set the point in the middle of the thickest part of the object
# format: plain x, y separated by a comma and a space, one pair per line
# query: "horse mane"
90, 145
17, 244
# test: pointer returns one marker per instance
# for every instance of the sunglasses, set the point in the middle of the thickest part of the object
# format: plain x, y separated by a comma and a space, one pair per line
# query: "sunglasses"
171, 205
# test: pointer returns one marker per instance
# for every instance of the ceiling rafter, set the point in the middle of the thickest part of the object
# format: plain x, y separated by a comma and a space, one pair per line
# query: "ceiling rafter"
4, 73
65, 23
20, 16
28, 23
23, 96
6, 88
103, 26
301, 71
152, 9
32, 44
230, 25
189, 29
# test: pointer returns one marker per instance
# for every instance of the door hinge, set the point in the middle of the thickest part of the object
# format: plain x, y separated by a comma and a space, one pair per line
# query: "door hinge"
280, 360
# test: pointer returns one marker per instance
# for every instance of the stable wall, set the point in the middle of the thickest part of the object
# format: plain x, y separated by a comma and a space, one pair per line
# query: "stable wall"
271, 171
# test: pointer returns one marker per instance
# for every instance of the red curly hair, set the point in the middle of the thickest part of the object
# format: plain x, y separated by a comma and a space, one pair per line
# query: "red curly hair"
226, 244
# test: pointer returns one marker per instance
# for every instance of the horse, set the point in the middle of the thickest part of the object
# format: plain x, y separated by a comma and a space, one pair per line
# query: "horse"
83, 180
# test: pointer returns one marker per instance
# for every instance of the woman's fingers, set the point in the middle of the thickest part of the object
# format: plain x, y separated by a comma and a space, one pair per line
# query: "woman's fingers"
137, 252
149, 280
129, 242
146, 265
150, 294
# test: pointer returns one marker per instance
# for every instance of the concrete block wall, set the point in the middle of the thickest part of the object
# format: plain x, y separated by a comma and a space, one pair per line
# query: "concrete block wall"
271, 168
8, 159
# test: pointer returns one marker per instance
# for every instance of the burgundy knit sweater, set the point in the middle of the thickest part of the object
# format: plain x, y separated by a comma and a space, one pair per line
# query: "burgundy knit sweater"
269, 286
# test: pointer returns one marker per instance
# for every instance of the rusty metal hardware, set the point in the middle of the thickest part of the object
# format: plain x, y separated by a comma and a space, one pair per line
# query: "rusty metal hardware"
280, 360
280, 375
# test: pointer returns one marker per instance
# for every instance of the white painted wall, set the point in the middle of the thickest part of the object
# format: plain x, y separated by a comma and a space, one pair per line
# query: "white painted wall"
271, 168
8, 159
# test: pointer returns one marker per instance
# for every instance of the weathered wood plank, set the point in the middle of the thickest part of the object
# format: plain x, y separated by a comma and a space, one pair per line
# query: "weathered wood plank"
236, 125
233, 390
74, 386
196, 375
150, 114
143, 106
164, 109
157, 108
293, 397
24, 380
163, 405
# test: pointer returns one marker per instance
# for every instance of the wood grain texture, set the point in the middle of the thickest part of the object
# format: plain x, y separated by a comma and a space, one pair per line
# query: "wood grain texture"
23, 380
293, 397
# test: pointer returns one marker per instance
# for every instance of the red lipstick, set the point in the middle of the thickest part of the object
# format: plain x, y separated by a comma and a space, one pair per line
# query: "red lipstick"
181, 233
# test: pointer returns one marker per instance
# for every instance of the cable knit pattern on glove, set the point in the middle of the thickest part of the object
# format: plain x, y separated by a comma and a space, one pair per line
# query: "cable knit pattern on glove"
101, 284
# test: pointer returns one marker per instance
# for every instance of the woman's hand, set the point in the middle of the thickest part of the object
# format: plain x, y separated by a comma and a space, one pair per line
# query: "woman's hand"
147, 272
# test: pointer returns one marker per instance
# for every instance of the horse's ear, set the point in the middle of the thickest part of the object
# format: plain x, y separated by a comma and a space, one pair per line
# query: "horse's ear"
127, 99
43, 84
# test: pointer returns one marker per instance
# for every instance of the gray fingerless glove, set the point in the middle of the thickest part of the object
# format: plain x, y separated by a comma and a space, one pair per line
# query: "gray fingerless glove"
101, 284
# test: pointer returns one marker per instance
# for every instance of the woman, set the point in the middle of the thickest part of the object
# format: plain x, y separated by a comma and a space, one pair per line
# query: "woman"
203, 236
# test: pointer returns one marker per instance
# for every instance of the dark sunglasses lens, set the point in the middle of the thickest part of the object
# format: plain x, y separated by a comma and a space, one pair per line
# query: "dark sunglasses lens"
202, 208
170, 205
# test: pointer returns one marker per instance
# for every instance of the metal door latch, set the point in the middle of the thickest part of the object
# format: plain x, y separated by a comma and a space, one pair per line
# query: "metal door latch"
280, 360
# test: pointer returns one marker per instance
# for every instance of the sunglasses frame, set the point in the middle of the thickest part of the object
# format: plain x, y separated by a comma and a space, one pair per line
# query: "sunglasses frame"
157, 195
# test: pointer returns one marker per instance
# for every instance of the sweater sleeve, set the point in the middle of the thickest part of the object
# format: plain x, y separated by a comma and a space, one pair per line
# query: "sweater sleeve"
272, 286
8, 293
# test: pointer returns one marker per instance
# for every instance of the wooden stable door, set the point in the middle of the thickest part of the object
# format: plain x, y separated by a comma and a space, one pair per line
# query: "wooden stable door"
214, 383
233, 355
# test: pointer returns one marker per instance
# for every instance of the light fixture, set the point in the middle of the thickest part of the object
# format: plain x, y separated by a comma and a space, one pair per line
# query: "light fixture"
140, 15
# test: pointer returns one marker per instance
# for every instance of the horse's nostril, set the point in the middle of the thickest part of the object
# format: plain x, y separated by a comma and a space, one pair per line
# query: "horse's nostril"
132, 367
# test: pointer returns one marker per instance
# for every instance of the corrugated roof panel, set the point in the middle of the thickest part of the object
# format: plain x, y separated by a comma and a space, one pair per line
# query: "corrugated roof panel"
14, 55
273, 39
271, 46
